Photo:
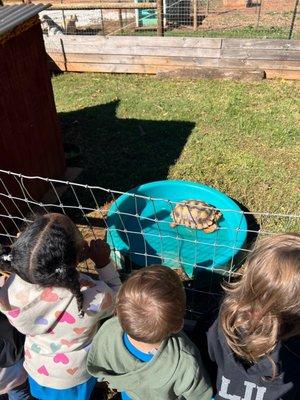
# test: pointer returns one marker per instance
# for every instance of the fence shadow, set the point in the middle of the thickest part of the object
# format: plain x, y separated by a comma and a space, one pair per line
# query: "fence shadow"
123, 153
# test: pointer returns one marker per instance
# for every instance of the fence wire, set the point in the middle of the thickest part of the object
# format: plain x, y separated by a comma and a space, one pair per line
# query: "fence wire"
138, 238
271, 19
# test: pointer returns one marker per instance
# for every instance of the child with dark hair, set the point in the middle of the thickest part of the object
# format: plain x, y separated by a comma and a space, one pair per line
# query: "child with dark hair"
56, 307
142, 352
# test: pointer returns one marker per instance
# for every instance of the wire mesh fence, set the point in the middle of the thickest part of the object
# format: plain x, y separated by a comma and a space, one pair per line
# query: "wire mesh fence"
138, 238
212, 18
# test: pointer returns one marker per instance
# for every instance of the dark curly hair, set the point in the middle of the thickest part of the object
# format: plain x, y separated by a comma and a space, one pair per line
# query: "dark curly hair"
46, 253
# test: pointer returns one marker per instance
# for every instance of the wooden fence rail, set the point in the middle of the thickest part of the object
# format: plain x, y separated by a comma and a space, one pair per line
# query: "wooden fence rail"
153, 55
103, 6
96, 5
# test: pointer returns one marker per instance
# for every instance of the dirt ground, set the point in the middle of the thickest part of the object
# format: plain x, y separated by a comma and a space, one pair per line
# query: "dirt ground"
277, 13
265, 14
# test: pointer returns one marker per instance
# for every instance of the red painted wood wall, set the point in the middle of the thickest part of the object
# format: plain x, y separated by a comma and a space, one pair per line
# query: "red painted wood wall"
30, 138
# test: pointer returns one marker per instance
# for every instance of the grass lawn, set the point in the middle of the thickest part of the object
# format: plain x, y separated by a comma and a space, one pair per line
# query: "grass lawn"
247, 32
240, 138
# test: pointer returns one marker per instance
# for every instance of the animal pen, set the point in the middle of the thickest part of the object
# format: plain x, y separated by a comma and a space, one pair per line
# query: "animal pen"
239, 39
98, 211
92, 208
250, 41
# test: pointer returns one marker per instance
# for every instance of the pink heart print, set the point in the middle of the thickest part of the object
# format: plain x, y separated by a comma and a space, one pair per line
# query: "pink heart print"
79, 331
27, 353
49, 296
43, 370
14, 313
64, 316
61, 358
72, 371
68, 342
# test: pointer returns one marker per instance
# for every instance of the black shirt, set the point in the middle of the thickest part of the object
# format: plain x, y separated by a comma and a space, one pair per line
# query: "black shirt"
11, 343
239, 381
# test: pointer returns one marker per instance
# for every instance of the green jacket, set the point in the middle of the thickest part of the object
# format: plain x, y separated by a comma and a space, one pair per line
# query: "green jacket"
175, 370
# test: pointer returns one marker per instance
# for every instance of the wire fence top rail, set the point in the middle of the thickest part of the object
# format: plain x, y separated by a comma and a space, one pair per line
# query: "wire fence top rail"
117, 192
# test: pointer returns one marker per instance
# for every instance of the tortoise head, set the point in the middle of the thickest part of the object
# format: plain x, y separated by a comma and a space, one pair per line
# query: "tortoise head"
218, 215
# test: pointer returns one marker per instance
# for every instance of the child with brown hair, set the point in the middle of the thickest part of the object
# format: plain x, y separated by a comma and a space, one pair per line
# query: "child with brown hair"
256, 340
142, 352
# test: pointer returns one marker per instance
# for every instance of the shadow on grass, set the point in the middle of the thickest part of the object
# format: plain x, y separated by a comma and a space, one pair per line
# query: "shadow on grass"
123, 153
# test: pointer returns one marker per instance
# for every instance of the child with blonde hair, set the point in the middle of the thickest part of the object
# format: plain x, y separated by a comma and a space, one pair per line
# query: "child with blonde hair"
142, 352
56, 307
256, 340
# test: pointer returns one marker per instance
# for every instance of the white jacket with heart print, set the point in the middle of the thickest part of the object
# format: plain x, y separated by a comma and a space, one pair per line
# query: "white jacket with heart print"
57, 339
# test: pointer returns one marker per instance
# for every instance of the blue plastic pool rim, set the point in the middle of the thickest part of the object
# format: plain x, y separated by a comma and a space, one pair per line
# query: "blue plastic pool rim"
134, 192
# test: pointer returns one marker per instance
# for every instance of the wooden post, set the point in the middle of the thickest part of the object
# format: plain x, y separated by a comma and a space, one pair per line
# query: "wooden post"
160, 18
207, 7
195, 18
102, 22
121, 21
64, 21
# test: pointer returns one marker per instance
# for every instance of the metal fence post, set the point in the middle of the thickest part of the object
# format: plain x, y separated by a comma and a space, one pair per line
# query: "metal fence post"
258, 15
293, 19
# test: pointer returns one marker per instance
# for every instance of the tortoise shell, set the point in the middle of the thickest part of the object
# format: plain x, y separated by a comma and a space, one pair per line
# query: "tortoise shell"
196, 214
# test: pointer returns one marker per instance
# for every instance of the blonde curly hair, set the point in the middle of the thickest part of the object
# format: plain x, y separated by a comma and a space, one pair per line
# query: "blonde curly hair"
263, 307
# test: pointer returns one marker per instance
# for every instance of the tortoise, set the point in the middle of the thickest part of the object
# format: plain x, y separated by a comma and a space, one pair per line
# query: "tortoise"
196, 214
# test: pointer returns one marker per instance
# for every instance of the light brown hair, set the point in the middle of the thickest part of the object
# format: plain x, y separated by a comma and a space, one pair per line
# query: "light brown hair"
151, 304
263, 307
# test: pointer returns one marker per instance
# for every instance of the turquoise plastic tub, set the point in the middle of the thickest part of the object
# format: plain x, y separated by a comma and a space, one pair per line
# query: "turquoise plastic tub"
139, 227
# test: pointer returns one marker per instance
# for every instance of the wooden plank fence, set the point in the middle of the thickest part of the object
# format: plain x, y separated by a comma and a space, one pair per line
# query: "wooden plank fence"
155, 55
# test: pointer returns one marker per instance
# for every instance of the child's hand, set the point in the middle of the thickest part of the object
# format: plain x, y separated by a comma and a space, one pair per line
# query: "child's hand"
99, 253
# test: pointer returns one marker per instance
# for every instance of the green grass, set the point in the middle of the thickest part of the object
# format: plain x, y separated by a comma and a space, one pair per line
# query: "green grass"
247, 32
240, 138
